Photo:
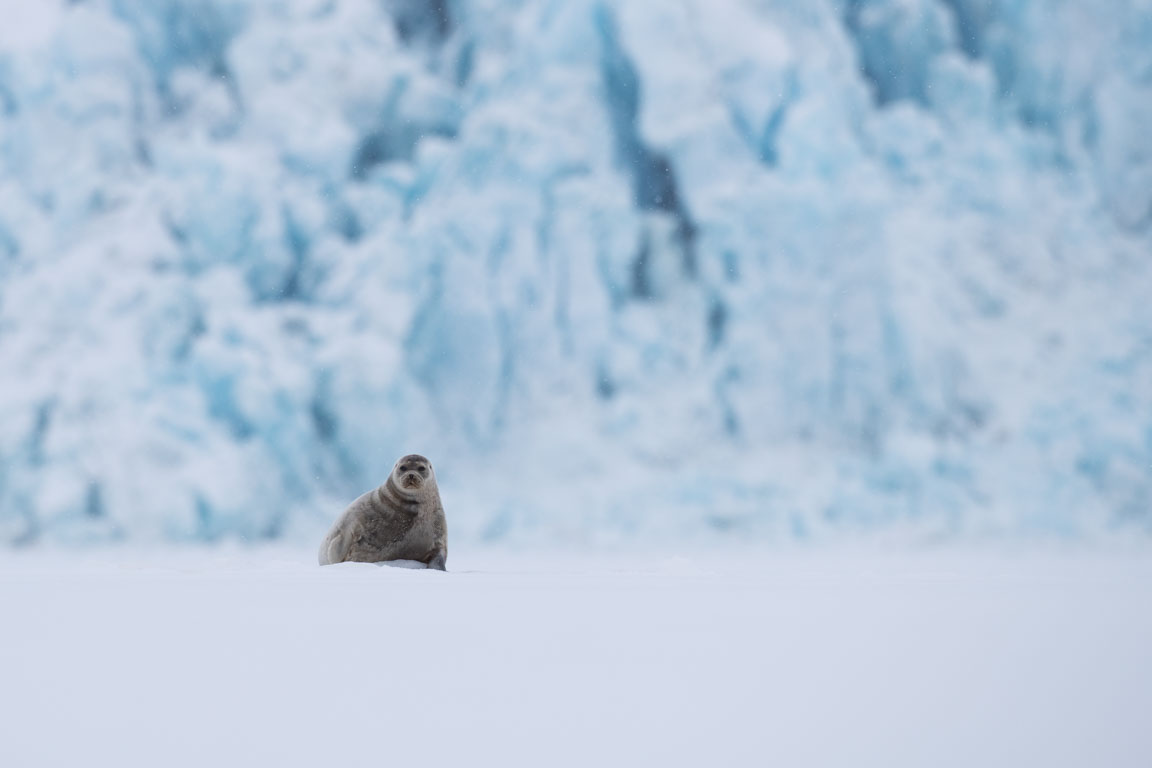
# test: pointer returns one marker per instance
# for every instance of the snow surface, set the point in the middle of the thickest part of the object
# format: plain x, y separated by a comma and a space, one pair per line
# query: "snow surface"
679, 268
258, 657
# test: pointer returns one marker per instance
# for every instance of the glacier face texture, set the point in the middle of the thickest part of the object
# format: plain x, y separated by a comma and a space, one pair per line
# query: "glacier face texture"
720, 270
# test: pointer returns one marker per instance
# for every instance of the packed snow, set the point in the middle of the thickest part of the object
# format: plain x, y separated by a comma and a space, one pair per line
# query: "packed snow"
624, 270
253, 657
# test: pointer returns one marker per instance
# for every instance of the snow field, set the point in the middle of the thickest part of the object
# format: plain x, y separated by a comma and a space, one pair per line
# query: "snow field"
758, 658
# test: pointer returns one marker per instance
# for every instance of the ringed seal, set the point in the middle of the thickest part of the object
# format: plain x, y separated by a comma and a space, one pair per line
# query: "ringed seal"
403, 519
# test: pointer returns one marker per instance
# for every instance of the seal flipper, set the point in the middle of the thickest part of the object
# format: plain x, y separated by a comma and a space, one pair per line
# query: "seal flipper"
439, 560
335, 548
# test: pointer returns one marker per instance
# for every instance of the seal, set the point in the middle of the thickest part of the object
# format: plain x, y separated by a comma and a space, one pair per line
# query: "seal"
403, 519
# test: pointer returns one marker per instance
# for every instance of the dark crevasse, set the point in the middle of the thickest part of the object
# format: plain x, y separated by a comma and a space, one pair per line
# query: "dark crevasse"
896, 42
654, 183
422, 21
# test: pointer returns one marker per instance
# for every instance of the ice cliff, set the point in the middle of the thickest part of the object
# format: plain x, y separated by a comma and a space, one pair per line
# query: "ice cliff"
735, 269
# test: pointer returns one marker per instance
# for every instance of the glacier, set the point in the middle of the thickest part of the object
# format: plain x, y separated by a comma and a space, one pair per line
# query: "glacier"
719, 269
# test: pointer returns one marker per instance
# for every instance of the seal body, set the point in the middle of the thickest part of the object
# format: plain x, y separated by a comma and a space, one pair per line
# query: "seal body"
403, 519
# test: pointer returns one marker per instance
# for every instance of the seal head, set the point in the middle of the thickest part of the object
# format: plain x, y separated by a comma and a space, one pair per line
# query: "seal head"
412, 474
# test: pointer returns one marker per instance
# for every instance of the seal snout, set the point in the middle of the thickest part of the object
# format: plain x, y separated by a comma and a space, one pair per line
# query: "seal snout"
412, 480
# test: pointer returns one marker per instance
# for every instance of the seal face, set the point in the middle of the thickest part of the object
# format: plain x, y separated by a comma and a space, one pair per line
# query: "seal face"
403, 519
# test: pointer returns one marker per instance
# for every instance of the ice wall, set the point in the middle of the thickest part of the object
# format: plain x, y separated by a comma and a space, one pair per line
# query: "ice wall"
728, 269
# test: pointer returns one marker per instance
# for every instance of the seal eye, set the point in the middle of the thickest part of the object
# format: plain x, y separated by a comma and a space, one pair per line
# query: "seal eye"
403, 467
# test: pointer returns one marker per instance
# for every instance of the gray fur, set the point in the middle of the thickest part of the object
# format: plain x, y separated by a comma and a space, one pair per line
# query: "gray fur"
403, 519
